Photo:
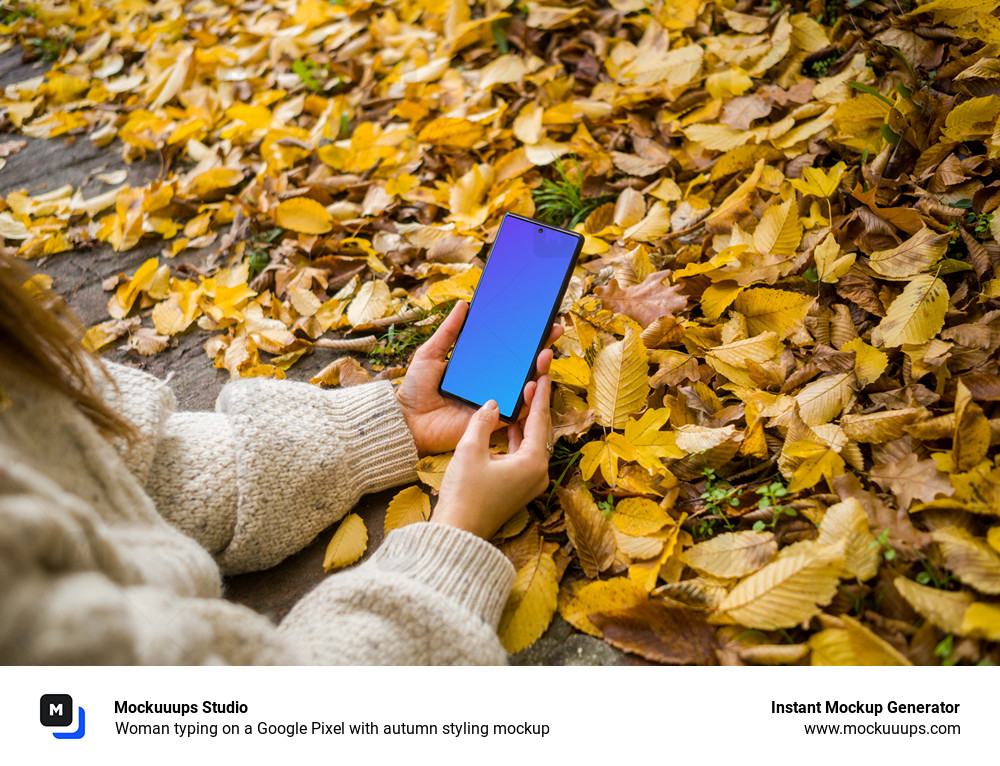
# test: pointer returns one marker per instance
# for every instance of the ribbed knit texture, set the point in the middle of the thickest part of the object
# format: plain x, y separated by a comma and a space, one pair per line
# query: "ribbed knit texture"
427, 553
94, 567
303, 452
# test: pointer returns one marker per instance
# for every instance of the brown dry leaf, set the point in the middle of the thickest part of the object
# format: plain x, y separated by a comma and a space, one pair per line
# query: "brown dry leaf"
673, 635
147, 342
912, 479
588, 530
346, 371
645, 302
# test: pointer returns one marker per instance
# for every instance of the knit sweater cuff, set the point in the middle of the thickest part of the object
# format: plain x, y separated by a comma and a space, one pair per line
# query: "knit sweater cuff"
384, 454
456, 564
304, 456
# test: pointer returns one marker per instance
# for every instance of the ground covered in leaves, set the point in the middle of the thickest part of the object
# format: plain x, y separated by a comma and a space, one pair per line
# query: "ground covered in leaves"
776, 391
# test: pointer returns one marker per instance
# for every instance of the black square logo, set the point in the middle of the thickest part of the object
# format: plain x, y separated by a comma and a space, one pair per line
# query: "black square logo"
56, 710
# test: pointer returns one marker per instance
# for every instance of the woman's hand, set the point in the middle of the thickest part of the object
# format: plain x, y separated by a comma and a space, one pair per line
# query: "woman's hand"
437, 423
481, 491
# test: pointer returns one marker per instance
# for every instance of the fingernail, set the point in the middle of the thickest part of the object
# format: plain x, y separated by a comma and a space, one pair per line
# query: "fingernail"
490, 405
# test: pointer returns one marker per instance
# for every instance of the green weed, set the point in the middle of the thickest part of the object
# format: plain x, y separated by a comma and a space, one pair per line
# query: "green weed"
820, 67
50, 50
400, 341
561, 202
934, 577
719, 497
946, 651
257, 256
882, 541
315, 75
769, 499
17, 12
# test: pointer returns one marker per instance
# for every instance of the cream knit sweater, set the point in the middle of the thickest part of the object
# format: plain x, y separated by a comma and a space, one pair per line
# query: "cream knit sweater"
106, 553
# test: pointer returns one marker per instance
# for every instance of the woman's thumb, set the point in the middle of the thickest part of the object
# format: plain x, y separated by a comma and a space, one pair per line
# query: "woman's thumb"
481, 425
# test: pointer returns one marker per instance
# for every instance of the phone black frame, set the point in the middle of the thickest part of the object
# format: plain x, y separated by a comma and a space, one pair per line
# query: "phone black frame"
548, 326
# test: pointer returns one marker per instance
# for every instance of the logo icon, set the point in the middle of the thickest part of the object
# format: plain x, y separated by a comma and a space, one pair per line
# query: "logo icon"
57, 710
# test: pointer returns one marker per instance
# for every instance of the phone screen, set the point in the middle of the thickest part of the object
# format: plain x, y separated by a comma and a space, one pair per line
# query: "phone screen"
511, 313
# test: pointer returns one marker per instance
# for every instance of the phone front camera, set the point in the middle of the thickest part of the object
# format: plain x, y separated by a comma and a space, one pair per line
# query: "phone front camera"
539, 231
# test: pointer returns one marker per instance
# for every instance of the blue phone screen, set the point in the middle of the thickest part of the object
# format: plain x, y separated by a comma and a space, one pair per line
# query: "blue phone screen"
509, 313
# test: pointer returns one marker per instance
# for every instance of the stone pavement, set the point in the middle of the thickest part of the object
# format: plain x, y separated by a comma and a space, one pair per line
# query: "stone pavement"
45, 165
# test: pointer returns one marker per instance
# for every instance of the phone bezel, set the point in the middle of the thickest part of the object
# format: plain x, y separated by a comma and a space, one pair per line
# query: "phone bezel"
548, 326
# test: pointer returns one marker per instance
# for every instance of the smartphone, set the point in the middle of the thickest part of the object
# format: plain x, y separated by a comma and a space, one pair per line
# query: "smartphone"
522, 285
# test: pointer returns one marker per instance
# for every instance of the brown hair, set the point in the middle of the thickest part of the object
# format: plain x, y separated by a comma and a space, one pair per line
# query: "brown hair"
40, 335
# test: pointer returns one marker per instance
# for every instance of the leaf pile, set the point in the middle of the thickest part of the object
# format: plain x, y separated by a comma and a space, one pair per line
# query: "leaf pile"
776, 393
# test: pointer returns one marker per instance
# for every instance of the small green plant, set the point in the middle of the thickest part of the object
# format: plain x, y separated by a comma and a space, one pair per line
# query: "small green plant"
499, 30
16, 12
870, 599
719, 497
770, 493
980, 223
400, 341
946, 651
882, 541
561, 202
607, 506
719, 494
820, 67
934, 577
314, 75
564, 455
257, 256
50, 50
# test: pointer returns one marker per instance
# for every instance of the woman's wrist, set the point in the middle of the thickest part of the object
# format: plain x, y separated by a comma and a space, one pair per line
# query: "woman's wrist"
451, 516
410, 418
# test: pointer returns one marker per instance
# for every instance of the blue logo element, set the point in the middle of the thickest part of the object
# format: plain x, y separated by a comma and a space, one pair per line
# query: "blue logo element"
57, 710
81, 727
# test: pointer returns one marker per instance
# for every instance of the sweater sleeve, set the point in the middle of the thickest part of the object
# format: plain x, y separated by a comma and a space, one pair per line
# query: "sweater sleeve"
432, 594
276, 464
